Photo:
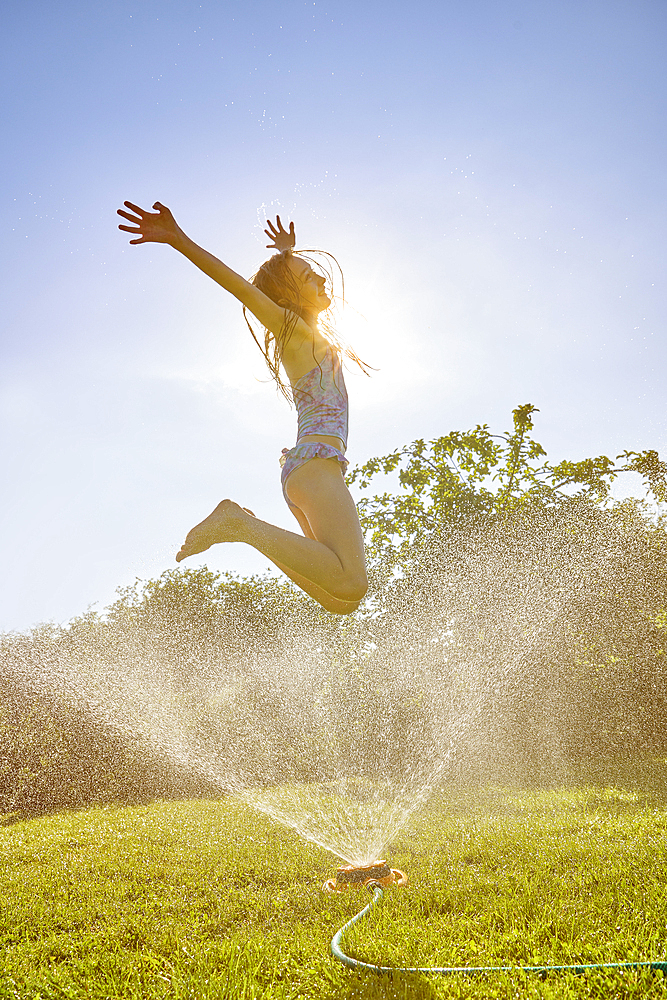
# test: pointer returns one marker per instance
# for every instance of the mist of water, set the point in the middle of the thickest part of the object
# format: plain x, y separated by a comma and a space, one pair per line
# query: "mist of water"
341, 734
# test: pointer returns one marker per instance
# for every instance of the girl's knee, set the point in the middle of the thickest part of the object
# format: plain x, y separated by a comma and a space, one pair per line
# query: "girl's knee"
353, 588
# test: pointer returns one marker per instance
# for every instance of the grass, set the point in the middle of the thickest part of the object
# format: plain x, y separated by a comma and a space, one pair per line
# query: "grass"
209, 899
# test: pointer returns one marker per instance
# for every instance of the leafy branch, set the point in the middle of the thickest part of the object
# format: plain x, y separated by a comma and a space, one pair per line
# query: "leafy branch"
464, 475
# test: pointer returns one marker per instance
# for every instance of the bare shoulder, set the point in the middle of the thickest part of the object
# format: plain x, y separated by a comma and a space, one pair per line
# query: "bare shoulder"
303, 351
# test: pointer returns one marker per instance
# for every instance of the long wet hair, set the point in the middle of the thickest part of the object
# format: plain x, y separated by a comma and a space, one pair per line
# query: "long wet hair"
276, 279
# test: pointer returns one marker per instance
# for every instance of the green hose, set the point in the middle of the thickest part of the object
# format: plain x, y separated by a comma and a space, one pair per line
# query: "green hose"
469, 970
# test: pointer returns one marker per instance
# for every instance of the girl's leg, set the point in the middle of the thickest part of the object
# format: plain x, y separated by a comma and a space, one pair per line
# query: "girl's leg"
328, 602
332, 561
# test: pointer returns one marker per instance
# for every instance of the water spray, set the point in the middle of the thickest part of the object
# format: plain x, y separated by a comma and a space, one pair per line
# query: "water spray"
373, 873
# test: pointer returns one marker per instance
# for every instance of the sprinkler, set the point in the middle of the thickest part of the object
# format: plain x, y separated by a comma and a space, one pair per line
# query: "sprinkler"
376, 872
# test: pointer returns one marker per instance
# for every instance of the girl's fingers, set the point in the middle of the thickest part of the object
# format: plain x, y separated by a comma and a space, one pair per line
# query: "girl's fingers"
139, 219
279, 231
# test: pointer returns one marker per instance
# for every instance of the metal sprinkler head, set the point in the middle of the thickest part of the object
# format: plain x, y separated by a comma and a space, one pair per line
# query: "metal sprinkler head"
357, 875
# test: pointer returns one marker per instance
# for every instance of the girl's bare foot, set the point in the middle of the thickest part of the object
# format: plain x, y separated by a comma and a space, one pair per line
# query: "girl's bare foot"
224, 524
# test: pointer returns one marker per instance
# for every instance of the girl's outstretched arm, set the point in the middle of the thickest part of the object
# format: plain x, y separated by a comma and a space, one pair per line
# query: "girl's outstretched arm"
161, 227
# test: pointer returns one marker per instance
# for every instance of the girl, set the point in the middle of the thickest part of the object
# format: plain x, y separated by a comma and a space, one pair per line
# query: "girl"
287, 296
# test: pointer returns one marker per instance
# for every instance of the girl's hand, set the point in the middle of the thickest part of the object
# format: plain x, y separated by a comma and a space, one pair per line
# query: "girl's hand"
282, 240
150, 227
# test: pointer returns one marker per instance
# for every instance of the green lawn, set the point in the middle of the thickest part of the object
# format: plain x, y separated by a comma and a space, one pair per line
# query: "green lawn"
209, 899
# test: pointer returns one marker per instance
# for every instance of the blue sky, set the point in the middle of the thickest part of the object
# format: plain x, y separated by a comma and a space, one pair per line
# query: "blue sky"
489, 174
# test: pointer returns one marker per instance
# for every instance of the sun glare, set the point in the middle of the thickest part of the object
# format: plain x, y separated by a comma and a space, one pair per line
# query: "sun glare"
376, 333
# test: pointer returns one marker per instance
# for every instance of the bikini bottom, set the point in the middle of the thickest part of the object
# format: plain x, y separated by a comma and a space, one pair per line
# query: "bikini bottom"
294, 458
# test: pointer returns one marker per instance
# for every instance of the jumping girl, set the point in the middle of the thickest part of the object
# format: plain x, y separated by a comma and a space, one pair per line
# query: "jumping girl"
287, 296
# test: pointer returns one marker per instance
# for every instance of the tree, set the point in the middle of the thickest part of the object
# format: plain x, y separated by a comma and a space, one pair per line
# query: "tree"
467, 475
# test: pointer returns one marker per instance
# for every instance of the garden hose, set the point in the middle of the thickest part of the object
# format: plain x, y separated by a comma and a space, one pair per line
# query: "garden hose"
383, 970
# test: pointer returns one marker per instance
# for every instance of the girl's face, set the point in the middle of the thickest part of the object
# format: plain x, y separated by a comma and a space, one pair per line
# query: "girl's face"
314, 298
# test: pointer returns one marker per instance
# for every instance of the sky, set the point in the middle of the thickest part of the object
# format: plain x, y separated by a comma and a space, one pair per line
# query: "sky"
490, 175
